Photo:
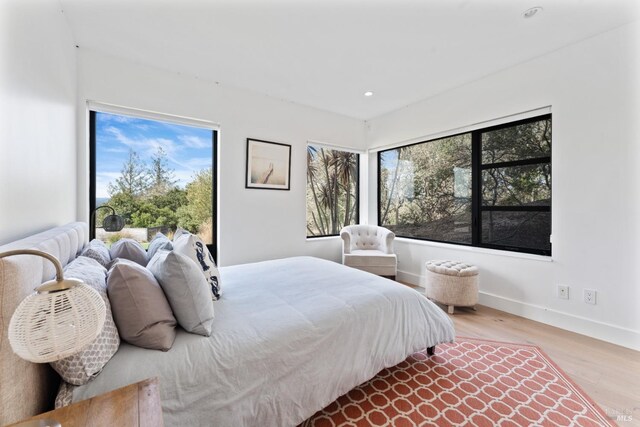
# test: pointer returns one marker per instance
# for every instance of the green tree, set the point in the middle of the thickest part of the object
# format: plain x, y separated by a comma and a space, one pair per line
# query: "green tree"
345, 168
156, 211
198, 210
161, 177
331, 190
424, 191
172, 199
133, 180
316, 222
125, 204
149, 197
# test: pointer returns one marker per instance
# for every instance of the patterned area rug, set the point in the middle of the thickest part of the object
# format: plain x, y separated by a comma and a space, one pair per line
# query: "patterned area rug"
469, 383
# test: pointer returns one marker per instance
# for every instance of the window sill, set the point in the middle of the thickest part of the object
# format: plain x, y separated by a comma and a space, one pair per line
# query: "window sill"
316, 239
495, 252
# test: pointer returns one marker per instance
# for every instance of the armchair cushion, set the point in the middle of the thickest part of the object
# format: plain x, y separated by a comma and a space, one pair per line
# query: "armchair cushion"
372, 258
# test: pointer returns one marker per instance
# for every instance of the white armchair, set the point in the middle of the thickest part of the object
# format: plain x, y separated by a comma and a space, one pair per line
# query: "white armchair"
369, 248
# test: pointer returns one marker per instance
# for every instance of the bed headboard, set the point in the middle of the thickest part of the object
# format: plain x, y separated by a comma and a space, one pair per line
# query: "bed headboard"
26, 388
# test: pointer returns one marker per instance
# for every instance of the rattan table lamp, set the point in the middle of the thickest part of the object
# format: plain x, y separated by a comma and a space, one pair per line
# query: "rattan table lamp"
59, 319
111, 222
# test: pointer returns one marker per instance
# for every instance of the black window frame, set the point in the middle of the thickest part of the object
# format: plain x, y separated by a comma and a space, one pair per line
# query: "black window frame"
92, 179
357, 204
476, 186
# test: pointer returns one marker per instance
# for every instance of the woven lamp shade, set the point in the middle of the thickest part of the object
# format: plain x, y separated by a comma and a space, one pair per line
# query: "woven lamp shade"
49, 326
61, 318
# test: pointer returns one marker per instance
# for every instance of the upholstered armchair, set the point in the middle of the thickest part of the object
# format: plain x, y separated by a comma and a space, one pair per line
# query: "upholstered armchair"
369, 248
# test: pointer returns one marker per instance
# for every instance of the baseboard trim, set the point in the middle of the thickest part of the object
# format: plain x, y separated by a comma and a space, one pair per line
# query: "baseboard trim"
600, 330
578, 324
414, 279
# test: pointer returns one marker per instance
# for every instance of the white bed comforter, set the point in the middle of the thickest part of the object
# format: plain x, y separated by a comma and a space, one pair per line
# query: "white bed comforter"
289, 337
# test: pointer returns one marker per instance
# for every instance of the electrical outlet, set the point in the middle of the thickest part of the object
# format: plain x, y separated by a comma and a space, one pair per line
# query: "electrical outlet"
590, 296
563, 291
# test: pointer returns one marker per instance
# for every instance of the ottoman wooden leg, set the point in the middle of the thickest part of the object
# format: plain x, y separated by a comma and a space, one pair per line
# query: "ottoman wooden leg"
450, 309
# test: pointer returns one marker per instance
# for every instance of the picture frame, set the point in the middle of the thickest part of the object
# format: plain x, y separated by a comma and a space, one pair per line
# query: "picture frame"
268, 165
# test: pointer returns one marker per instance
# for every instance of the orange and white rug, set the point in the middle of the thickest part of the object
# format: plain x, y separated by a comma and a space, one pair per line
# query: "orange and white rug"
471, 382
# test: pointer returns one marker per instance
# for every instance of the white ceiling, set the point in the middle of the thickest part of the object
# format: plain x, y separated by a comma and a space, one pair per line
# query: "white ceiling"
327, 53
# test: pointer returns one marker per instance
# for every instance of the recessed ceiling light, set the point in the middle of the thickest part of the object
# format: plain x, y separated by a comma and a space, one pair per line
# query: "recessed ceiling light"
368, 93
530, 13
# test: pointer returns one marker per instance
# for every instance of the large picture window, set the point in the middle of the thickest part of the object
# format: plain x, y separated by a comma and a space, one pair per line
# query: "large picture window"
490, 188
332, 190
157, 175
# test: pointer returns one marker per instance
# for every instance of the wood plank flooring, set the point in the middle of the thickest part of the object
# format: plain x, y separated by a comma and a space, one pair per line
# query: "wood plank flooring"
608, 373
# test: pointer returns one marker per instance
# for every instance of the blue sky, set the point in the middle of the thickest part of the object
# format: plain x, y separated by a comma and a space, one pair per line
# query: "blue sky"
188, 149
389, 159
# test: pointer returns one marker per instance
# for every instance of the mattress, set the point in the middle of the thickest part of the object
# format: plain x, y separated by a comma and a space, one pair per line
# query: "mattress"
289, 337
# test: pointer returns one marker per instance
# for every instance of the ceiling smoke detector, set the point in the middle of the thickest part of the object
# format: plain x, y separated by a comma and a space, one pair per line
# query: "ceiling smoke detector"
530, 13
368, 93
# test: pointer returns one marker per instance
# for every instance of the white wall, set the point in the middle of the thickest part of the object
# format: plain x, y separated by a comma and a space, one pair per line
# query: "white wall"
592, 88
253, 224
37, 119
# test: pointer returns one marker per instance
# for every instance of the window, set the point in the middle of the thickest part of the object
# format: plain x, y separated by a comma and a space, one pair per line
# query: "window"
489, 188
332, 190
157, 175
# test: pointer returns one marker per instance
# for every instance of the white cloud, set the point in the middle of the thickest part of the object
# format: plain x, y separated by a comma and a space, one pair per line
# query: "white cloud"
193, 141
116, 150
144, 146
123, 119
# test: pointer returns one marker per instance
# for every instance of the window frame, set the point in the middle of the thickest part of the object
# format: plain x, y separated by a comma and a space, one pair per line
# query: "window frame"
476, 185
357, 182
92, 168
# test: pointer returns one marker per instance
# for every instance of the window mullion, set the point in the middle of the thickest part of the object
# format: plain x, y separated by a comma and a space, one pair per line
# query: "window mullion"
476, 187
515, 208
512, 163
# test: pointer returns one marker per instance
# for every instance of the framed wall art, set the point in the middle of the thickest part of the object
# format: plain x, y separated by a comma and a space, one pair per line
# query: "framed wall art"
268, 165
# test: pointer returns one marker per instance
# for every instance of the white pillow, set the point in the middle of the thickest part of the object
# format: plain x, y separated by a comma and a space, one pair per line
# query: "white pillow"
193, 247
186, 290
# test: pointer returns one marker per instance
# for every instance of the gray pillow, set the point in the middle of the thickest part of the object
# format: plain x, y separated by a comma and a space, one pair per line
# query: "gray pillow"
129, 249
193, 247
140, 309
96, 249
159, 241
87, 364
186, 289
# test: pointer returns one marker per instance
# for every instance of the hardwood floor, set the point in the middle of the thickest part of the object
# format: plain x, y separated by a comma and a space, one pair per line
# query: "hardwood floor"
608, 373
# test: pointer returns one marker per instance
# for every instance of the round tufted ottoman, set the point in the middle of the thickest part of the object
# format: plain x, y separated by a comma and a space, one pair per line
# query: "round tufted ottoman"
452, 283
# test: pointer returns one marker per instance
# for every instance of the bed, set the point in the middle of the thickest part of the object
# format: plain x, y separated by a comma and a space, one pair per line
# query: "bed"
290, 336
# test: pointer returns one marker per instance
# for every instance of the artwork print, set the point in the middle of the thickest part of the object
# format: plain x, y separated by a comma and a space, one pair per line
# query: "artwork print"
268, 165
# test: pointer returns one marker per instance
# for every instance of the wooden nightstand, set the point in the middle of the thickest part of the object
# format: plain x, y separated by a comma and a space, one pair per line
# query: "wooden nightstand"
134, 405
